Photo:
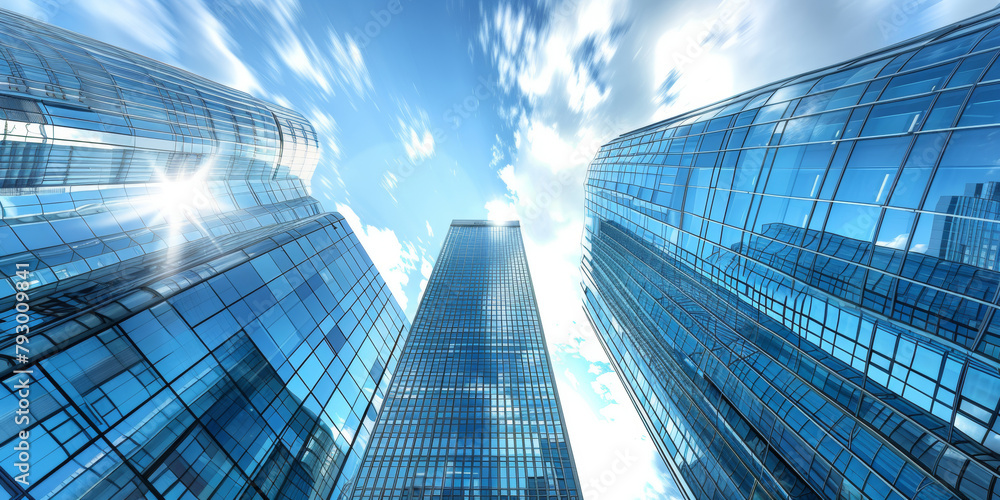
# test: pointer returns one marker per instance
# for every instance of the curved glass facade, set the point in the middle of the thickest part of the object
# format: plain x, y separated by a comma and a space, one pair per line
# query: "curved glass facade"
473, 411
799, 285
196, 326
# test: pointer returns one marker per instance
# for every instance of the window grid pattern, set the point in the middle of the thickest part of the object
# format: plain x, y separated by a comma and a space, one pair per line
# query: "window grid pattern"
227, 340
799, 284
473, 412
255, 373
96, 114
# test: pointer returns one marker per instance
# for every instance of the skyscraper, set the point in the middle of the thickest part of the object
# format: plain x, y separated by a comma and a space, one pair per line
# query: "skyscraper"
798, 284
180, 318
473, 410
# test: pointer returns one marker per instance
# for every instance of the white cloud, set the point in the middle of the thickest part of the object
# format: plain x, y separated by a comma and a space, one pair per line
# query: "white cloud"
212, 49
145, 22
898, 242
622, 463
351, 71
394, 259
501, 210
430, 230
304, 58
28, 8
326, 128
339, 63
567, 55
497, 152
419, 145
187, 35
414, 133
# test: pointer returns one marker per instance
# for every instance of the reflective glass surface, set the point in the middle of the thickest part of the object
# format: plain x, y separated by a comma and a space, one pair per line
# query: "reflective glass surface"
199, 328
473, 411
799, 285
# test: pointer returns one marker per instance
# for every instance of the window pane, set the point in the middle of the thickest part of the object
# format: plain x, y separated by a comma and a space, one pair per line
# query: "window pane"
993, 73
945, 109
871, 170
816, 128
771, 112
896, 117
895, 229
970, 69
798, 171
913, 180
853, 221
849, 76
983, 107
777, 210
896, 63
760, 135
943, 51
791, 91
748, 169
989, 41
964, 165
917, 83
847, 96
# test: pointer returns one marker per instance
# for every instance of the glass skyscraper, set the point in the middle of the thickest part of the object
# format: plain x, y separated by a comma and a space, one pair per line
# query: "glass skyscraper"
473, 411
799, 285
192, 325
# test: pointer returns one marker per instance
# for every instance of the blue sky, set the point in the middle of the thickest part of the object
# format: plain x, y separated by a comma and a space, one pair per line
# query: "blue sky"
435, 110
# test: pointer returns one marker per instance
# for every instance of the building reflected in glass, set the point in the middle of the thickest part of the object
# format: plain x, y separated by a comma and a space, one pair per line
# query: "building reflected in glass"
799, 285
473, 410
199, 327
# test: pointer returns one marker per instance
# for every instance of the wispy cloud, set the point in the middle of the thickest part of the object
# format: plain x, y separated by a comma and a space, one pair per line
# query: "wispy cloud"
333, 64
352, 73
186, 34
414, 132
144, 22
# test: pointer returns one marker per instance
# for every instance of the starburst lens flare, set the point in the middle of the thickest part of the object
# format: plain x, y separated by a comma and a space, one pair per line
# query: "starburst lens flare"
179, 201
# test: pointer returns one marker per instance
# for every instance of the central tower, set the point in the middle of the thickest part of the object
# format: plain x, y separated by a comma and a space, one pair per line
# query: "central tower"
473, 411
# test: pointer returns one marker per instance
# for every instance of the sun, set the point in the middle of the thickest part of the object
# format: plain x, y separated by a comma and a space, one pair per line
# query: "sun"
181, 201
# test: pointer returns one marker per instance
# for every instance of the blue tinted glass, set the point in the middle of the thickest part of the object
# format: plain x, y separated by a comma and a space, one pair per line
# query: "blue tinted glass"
917, 83
799, 170
791, 91
745, 118
991, 40
871, 170
993, 73
853, 314
849, 76
970, 69
943, 51
895, 228
854, 124
771, 112
841, 98
945, 109
758, 100
983, 107
896, 63
748, 169
964, 165
816, 128
896, 117
856, 222
920, 163
760, 135
777, 210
